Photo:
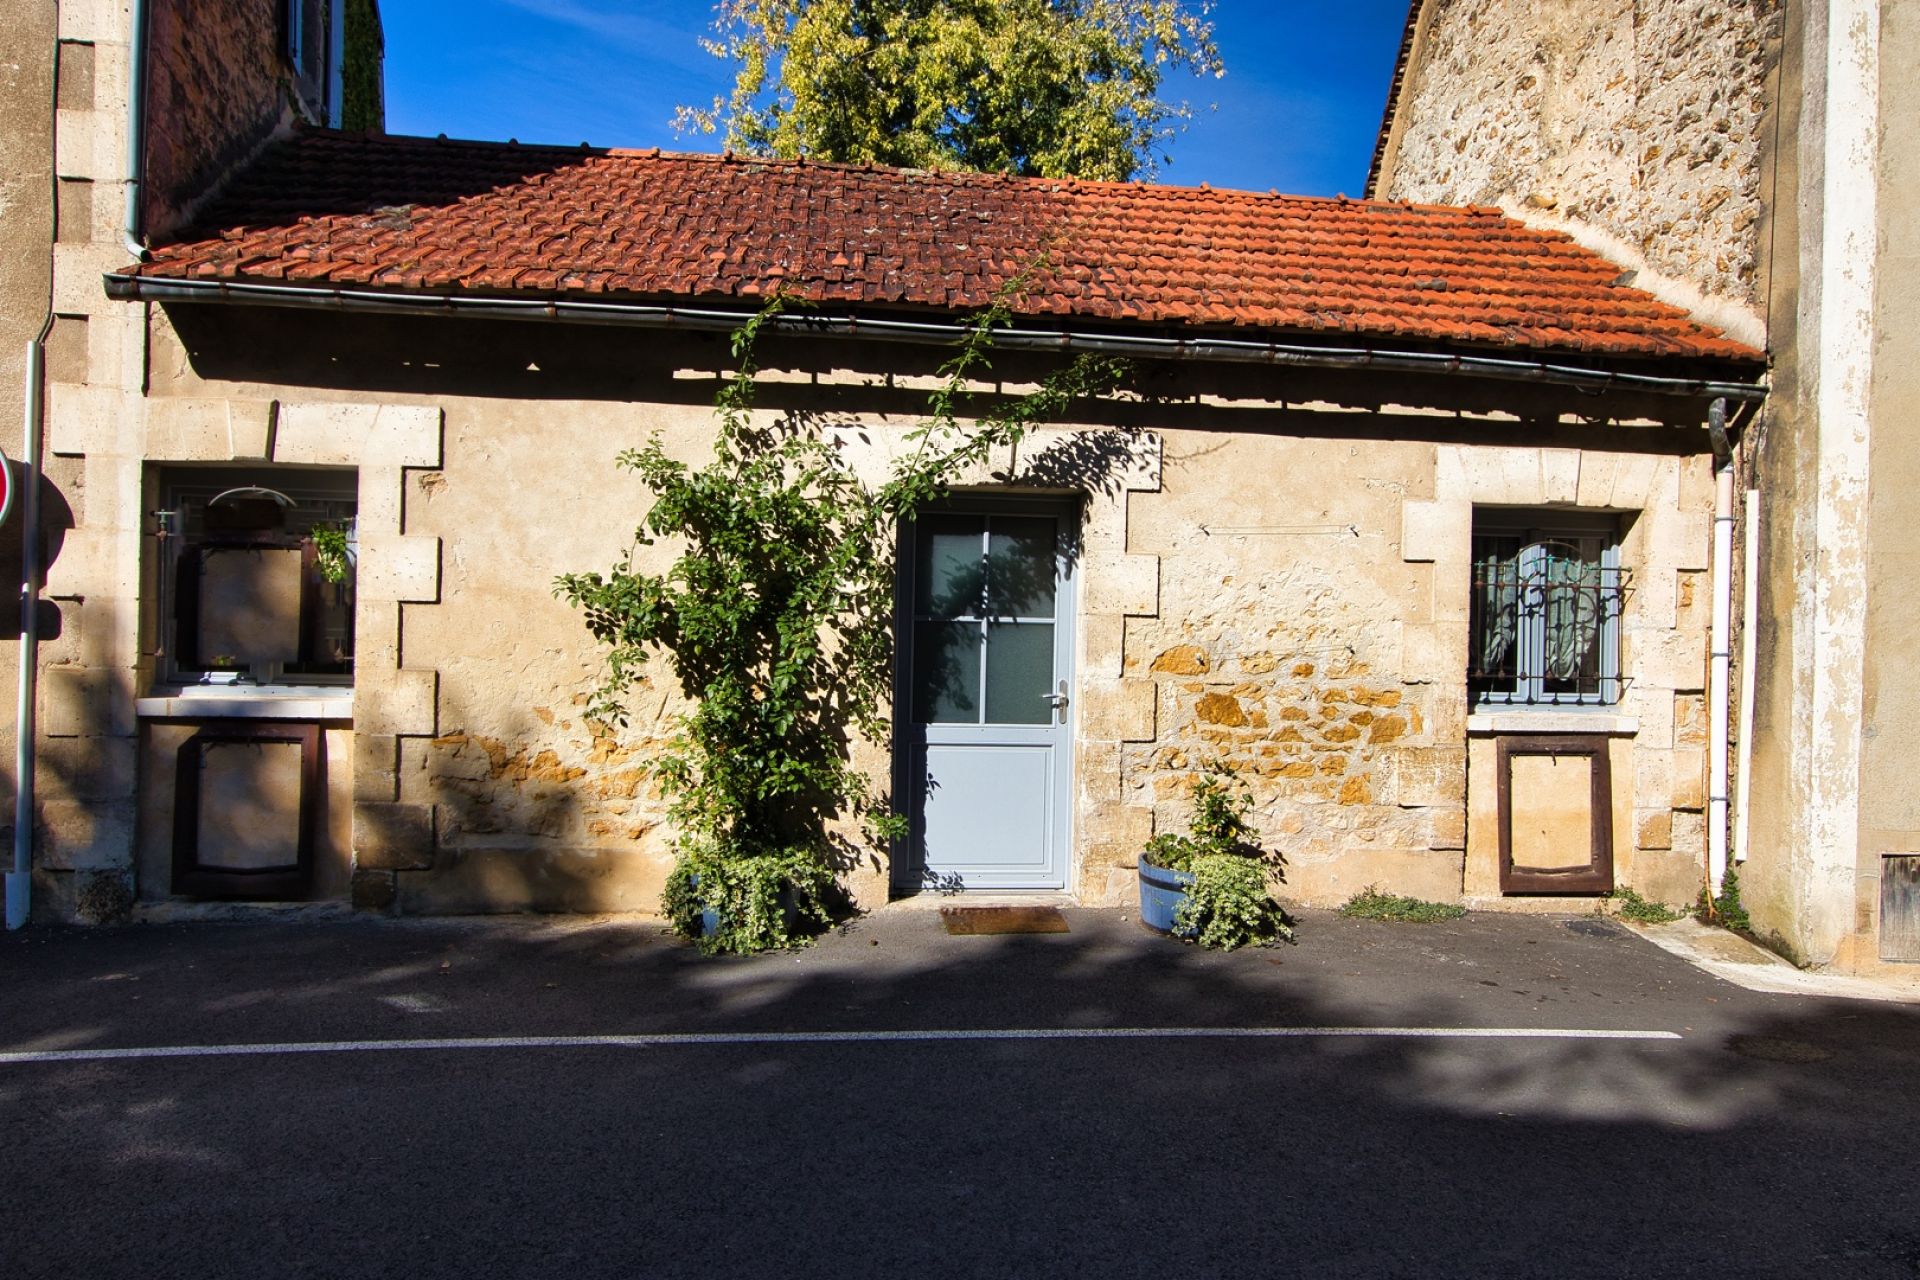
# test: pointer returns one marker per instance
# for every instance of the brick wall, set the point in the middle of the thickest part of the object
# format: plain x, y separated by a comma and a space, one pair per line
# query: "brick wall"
216, 90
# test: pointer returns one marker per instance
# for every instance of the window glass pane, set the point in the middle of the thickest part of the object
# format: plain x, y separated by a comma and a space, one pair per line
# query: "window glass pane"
1572, 606
946, 673
1544, 608
259, 574
250, 602
949, 572
1019, 672
1494, 609
1020, 567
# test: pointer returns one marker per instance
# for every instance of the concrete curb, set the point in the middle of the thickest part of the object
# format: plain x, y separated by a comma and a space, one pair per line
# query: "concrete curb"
1730, 957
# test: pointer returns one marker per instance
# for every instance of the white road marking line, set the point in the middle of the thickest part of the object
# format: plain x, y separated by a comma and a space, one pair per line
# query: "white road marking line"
727, 1038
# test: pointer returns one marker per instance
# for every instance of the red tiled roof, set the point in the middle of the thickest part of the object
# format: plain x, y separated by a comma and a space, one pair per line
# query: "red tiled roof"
328, 209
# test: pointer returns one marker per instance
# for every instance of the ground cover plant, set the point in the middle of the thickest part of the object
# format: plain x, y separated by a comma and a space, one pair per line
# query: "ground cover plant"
773, 619
1371, 904
1724, 908
1630, 905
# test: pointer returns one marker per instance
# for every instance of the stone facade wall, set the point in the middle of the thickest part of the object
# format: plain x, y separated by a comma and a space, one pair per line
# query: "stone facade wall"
1279, 585
1641, 119
1890, 720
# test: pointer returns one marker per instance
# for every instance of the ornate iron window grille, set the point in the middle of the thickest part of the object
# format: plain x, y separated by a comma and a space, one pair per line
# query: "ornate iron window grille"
1545, 621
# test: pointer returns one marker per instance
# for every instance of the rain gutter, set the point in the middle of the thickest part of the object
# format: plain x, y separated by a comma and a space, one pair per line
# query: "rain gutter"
939, 332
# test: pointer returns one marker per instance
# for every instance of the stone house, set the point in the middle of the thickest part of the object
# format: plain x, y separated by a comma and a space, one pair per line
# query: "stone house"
1406, 514
1757, 162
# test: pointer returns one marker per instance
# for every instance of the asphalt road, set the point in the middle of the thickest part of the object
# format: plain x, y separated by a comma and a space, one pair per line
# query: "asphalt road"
1761, 1136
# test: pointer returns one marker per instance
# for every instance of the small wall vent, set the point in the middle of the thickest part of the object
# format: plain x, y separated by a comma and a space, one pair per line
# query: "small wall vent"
1900, 906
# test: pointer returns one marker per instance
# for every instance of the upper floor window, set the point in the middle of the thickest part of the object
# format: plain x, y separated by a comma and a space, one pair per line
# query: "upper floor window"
1545, 610
257, 569
309, 27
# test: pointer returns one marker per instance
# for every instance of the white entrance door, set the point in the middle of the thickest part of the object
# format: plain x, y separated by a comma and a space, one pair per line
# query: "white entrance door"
983, 758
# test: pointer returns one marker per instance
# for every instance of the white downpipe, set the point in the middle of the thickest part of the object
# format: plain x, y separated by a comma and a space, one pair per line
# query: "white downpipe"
1717, 680
20, 877
1749, 643
136, 129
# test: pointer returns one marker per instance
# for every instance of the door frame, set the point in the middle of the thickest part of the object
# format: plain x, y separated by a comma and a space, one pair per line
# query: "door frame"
903, 877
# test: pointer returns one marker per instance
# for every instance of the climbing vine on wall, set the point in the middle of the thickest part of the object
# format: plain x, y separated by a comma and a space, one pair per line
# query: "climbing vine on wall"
774, 621
363, 96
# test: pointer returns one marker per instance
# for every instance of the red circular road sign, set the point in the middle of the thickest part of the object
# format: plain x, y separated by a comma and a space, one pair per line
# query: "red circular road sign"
6, 487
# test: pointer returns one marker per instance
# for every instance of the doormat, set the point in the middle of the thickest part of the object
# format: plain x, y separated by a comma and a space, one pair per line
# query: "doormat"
975, 920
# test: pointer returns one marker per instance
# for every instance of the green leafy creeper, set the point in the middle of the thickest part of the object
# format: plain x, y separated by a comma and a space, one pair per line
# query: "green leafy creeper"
775, 622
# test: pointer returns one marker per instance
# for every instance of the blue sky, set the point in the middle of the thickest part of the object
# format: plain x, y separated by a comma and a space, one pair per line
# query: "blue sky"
1297, 110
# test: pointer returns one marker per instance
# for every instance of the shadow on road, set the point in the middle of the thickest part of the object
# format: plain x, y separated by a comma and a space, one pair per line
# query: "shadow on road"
1769, 1140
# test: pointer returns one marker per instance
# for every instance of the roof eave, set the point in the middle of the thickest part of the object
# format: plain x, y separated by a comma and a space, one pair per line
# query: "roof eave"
938, 328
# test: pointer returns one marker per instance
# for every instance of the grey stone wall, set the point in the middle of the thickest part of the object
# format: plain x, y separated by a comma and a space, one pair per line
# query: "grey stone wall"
1642, 119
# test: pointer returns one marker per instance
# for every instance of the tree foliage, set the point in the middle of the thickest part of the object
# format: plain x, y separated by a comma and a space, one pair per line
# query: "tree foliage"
773, 620
1042, 88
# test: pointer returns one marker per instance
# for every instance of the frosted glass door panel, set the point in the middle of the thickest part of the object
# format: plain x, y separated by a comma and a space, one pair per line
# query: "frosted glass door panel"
1019, 672
950, 567
946, 672
1020, 568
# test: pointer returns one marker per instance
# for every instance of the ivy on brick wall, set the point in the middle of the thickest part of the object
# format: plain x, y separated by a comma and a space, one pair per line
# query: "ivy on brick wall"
363, 106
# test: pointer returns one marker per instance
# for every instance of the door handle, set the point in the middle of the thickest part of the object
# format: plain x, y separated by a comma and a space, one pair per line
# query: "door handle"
1057, 699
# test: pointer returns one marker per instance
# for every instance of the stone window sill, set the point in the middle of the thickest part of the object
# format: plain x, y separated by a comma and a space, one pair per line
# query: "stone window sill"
248, 702
1544, 720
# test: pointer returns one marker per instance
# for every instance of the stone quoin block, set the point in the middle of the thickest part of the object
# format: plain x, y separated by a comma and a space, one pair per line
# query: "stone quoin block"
1118, 710
1123, 584
376, 767
88, 768
1560, 476
82, 419
399, 567
73, 701
1436, 531
187, 431
359, 434
392, 837
402, 702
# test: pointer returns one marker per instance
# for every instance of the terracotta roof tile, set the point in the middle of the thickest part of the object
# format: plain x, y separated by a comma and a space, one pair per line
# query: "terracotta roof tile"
431, 214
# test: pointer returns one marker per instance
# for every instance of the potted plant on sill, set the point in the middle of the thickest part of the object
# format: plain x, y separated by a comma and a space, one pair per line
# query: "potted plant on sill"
1210, 885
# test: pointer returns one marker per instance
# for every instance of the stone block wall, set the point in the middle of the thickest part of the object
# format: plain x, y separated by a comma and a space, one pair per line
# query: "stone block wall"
1281, 587
1313, 635
1639, 119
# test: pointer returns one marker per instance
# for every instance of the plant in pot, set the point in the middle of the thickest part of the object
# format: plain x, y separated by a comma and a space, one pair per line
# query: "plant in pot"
1210, 885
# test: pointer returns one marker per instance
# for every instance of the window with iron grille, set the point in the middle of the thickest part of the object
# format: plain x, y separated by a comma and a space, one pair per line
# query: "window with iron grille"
1545, 612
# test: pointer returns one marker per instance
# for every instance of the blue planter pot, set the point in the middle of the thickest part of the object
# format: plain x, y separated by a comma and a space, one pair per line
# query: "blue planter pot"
789, 909
1162, 893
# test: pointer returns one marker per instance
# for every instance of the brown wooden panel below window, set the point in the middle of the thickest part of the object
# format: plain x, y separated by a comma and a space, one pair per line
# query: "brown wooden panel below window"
244, 810
1563, 842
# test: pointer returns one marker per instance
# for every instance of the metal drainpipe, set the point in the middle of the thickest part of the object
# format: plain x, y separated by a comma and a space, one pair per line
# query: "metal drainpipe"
20, 878
1749, 664
136, 129
1717, 680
